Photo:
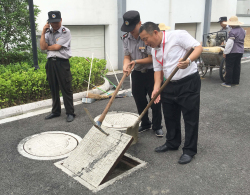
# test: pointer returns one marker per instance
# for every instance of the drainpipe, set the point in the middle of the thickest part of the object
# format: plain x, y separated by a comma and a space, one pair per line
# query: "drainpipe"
170, 14
207, 20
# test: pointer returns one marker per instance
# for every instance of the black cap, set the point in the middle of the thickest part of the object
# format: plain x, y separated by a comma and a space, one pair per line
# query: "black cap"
130, 20
54, 16
222, 19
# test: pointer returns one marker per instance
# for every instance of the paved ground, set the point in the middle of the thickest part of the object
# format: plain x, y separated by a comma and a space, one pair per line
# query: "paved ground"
222, 165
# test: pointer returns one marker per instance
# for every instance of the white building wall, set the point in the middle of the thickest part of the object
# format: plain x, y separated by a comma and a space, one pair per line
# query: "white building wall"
243, 7
105, 12
86, 12
171, 12
223, 8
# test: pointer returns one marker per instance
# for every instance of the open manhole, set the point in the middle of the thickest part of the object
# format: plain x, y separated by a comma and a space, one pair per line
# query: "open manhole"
100, 159
125, 167
118, 120
48, 145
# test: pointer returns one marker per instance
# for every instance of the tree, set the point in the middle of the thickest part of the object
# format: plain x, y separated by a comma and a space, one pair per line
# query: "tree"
15, 32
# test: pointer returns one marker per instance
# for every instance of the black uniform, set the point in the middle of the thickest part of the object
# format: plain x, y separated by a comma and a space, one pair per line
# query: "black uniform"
143, 74
58, 69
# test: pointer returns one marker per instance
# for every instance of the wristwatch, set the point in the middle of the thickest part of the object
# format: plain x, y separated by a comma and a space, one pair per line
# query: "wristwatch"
189, 61
134, 61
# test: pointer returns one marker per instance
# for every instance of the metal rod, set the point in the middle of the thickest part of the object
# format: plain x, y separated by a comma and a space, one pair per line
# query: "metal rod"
33, 34
97, 87
90, 74
108, 80
112, 68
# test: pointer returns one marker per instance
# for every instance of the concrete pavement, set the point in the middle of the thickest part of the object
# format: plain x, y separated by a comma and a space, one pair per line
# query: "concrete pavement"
222, 165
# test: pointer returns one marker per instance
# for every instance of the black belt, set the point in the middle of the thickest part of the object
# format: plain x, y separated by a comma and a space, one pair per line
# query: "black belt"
57, 59
145, 70
189, 77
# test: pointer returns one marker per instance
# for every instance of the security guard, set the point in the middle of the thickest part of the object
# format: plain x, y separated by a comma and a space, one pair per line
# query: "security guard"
56, 41
138, 56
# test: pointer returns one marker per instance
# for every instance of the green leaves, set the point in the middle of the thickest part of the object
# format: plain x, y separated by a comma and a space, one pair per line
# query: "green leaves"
20, 83
15, 32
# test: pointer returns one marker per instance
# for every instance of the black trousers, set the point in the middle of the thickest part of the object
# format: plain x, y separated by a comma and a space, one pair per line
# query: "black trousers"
183, 97
142, 85
59, 77
233, 66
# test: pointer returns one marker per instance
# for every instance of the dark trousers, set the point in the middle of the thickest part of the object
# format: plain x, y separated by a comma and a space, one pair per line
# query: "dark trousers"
182, 96
233, 66
59, 76
142, 85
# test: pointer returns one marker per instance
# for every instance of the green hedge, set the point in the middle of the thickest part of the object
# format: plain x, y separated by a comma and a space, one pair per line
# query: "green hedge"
20, 83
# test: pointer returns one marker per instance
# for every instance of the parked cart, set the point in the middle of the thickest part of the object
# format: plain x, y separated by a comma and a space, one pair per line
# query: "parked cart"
212, 55
210, 60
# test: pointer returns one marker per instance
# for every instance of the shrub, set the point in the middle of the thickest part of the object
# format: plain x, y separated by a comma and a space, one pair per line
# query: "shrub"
20, 83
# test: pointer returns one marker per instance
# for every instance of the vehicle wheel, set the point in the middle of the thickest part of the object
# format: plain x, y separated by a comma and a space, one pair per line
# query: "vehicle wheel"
223, 69
202, 69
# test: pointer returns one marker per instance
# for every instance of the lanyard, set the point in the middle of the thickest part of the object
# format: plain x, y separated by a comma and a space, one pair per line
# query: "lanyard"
163, 50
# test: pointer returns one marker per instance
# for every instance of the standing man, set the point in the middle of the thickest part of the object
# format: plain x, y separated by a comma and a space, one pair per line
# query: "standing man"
138, 56
224, 26
233, 52
182, 94
57, 43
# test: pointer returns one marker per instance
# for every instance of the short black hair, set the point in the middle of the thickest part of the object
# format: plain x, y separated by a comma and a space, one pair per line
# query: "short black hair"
149, 27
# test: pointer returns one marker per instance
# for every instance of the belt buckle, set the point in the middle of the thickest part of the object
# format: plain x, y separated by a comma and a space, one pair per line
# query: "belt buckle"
144, 71
53, 58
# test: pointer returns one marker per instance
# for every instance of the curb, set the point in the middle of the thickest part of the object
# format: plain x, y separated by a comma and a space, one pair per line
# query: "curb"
22, 109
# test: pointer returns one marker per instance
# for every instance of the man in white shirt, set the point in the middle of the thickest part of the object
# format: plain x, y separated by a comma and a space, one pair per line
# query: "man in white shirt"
182, 94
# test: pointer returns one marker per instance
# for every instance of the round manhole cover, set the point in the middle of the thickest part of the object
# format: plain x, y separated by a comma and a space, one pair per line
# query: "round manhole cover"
49, 145
119, 120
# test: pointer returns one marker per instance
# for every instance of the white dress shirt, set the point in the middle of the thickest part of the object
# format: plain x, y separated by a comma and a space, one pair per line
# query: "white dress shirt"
177, 44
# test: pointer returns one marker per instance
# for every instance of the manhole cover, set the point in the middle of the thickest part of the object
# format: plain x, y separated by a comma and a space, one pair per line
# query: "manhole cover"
119, 120
49, 145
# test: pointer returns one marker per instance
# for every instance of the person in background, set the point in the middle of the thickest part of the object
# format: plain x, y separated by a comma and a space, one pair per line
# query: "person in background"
233, 52
163, 27
224, 26
138, 56
57, 43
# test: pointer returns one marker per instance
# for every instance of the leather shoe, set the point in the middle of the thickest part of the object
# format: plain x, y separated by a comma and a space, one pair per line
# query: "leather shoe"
52, 115
141, 129
159, 133
70, 117
184, 159
164, 148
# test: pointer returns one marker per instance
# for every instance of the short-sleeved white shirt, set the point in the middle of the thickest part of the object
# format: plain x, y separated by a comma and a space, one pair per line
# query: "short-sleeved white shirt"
177, 44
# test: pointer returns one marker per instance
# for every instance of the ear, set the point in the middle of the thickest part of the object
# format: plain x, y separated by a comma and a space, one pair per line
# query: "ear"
156, 32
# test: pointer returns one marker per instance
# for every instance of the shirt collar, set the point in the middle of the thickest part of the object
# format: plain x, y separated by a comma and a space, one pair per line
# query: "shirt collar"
59, 30
130, 36
166, 40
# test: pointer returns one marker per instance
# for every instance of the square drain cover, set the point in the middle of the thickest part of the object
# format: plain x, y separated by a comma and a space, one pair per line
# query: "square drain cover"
97, 155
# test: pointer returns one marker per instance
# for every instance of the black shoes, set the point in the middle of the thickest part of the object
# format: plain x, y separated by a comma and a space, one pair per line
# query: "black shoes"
184, 159
145, 128
164, 148
70, 117
159, 133
52, 115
